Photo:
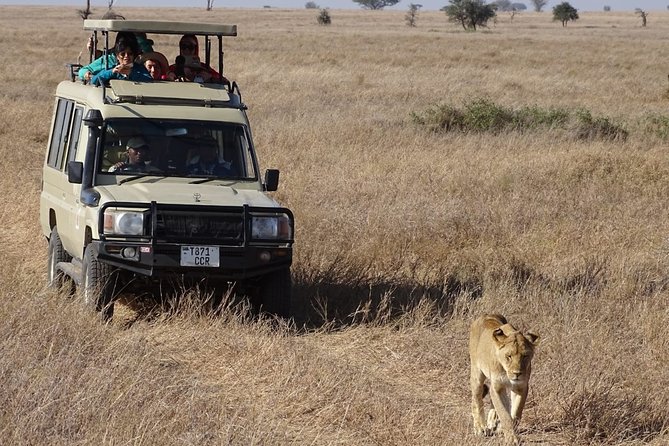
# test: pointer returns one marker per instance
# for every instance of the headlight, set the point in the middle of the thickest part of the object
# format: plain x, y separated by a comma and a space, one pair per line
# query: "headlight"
271, 227
119, 222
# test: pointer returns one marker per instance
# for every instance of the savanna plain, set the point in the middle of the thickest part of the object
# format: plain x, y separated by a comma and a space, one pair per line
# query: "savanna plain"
435, 175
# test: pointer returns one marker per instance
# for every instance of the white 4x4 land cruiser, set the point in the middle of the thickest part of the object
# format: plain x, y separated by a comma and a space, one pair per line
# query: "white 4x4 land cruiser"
114, 230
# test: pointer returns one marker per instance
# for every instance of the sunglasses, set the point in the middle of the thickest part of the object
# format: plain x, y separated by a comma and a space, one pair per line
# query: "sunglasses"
187, 46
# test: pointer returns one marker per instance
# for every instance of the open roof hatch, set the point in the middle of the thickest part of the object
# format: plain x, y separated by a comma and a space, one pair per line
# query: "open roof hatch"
206, 30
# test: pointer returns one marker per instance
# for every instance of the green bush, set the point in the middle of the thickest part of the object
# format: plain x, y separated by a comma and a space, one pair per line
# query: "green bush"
530, 118
483, 115
589, 128
440, 118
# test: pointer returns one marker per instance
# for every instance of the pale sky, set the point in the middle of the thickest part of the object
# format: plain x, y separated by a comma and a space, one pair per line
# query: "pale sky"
581, 5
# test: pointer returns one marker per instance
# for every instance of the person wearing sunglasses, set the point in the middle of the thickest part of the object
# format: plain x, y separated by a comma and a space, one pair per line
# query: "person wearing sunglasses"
188, 66
125, 68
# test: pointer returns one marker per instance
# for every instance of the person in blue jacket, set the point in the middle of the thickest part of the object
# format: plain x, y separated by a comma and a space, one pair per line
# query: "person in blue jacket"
121, 61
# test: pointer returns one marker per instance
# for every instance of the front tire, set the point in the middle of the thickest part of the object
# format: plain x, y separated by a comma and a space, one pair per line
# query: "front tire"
56, 279
275, 291
99, 284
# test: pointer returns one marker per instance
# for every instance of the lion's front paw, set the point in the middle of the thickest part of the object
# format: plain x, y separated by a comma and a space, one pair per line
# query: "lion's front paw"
493, 421
480, 430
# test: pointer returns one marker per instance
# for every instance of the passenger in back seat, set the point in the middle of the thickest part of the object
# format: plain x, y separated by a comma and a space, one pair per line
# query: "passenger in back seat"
191, 68
156, 64
126, 68
121, 62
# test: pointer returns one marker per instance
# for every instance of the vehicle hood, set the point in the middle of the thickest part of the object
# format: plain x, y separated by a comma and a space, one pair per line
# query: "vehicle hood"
210, 194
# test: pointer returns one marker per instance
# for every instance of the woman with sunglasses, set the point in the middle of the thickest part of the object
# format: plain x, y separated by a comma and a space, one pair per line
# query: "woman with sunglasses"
125, 42
125, 52
188, 66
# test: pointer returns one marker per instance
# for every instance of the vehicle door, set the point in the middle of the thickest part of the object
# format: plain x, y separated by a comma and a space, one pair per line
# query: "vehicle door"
60, 198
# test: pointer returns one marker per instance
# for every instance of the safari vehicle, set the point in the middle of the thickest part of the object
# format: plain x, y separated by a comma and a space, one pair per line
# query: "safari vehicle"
120, 231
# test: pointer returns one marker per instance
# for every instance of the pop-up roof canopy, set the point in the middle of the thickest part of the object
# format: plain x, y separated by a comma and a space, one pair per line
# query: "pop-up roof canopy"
156, 27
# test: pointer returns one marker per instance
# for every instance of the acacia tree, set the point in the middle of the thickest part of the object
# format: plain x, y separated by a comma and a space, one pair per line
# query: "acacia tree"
470, 13
376, 4
503, 5
565, 12
643, 14
539, 4
412, 14
324, 17
85, 13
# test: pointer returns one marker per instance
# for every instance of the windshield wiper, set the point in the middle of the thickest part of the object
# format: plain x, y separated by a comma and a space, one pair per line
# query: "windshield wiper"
204, 180
142, 175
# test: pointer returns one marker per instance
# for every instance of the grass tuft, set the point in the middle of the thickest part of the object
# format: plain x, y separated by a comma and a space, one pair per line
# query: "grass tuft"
607, 416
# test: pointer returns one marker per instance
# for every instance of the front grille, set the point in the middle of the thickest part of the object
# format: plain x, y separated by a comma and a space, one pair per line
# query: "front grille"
189, 227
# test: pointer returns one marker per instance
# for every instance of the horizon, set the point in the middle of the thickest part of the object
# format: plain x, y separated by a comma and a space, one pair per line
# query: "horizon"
427, 5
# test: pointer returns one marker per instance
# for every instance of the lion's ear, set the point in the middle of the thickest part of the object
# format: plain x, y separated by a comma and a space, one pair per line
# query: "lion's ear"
533, 338
499, 336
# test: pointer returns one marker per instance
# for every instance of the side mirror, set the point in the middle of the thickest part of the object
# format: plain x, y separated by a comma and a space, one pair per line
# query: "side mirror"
93, 118
271, 180
75, 172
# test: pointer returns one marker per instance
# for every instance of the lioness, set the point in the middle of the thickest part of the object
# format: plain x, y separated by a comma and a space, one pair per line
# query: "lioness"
503, 355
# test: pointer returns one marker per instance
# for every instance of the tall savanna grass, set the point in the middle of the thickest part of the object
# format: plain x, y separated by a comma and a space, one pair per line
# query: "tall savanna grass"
406, 231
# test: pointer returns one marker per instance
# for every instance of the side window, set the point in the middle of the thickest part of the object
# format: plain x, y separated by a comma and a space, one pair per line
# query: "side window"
60, 132
74, 135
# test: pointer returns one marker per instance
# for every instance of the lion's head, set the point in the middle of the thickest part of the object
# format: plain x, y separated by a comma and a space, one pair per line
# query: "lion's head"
514, 351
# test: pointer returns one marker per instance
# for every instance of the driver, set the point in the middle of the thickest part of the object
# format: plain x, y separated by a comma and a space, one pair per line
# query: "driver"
138, 153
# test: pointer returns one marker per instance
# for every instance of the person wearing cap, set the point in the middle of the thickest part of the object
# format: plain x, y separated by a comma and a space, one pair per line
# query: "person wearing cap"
155, 63
137, 153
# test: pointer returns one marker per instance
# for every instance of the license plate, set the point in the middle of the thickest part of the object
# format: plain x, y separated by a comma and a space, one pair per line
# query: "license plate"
202, 256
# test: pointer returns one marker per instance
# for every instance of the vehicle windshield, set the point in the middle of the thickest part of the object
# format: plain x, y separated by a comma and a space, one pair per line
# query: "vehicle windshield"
202, 150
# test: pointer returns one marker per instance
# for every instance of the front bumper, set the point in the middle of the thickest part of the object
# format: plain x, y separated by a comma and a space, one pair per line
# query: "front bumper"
163, 261
158, 254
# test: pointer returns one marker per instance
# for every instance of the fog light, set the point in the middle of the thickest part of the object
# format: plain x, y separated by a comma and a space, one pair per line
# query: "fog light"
129, 252
265, 256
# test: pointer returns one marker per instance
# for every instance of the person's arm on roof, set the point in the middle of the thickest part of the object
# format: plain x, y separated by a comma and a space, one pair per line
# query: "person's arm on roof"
96, 66
139, 73
104, 76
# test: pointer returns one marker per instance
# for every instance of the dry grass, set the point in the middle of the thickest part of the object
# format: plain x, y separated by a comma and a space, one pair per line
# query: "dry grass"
403, 236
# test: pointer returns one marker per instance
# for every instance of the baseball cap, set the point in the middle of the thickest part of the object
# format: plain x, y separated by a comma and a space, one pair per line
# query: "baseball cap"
136, 143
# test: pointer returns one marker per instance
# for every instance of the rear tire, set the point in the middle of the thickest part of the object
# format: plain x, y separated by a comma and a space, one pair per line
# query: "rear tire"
56, 279
274, 293
99, 284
